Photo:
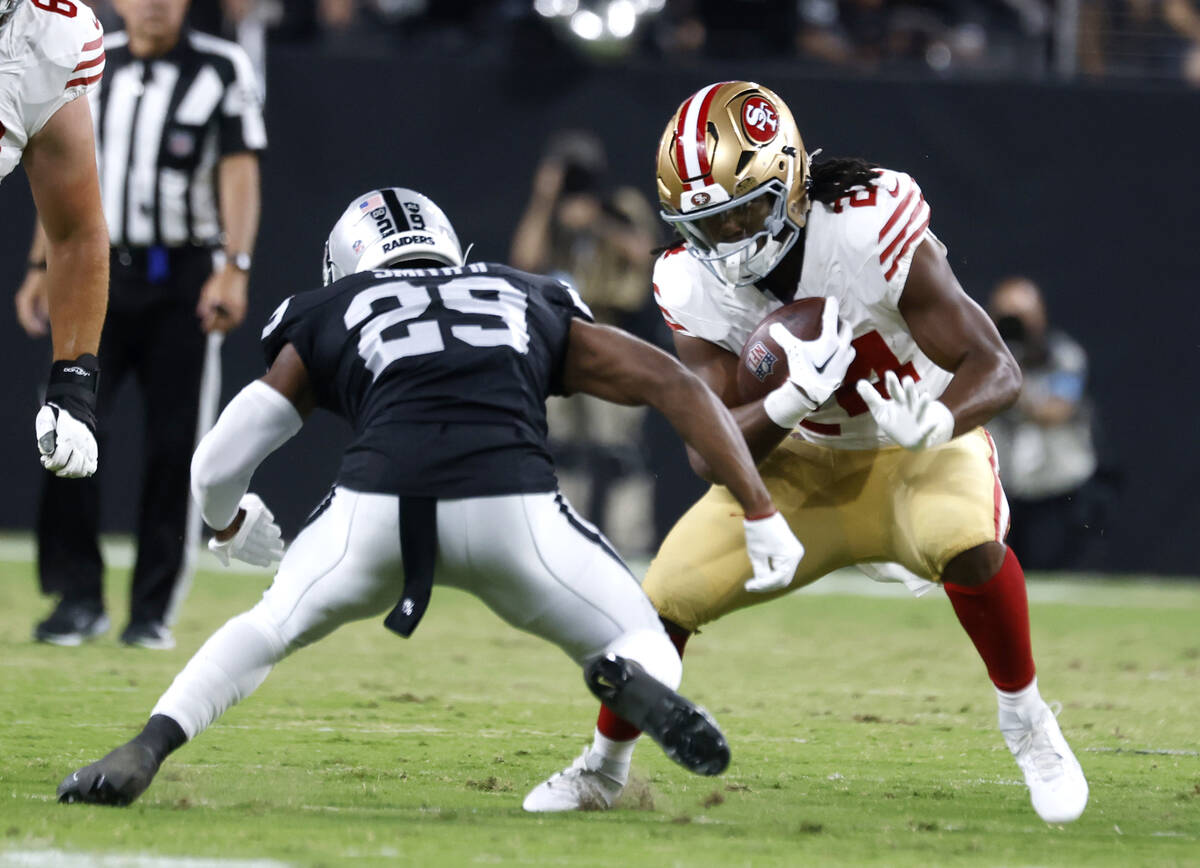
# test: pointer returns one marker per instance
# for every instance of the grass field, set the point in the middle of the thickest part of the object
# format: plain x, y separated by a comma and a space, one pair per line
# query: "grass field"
862, 728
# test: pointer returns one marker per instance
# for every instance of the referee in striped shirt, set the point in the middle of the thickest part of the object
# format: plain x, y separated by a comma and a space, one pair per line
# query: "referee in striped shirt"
178, 130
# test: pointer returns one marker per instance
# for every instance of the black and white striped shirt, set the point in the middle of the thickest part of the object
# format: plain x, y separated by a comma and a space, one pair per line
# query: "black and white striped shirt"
162, 125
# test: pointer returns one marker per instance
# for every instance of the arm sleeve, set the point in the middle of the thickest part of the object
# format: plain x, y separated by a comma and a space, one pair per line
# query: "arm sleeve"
241, 117
255, 423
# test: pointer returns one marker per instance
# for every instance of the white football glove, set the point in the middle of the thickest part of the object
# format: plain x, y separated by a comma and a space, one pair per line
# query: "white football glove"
774, 553
912, 417
816, 368
258, 541
67, 447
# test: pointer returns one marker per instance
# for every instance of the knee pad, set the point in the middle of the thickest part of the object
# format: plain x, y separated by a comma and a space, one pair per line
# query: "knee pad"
653, 651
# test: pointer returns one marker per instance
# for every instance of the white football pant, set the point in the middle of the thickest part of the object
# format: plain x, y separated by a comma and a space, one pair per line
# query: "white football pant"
527, 556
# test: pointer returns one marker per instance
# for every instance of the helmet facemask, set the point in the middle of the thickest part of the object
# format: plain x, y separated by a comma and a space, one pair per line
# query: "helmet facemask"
742, 240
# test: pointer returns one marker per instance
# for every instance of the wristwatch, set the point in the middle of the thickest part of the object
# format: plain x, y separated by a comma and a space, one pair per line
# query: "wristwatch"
240, 261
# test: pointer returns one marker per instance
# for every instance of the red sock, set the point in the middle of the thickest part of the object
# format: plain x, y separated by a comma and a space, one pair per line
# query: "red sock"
619, 729
996, 617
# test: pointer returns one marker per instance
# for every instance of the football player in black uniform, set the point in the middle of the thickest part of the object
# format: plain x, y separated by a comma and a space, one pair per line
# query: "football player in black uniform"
443, 370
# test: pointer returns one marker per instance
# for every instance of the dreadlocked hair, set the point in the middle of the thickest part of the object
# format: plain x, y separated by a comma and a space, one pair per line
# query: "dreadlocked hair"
830, 180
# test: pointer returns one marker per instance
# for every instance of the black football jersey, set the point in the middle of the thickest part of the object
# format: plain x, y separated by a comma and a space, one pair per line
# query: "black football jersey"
443, 374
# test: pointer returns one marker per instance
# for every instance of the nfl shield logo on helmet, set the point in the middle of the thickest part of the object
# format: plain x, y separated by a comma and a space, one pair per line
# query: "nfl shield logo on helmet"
760, 361
357, 246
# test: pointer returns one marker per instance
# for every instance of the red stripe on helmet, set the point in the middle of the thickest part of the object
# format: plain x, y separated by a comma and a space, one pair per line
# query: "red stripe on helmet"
702, 133
680, 160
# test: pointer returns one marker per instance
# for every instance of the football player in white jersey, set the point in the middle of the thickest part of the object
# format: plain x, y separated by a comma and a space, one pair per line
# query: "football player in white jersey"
873, 449
51, 54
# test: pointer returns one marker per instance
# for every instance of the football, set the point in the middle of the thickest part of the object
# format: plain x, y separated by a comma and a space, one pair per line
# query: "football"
763, 364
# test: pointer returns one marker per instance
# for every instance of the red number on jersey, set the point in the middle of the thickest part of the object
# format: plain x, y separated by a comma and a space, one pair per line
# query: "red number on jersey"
858, 199
63, 7
872, 356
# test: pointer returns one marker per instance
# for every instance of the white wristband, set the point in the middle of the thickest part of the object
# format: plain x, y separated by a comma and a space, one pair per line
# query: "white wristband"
787, 406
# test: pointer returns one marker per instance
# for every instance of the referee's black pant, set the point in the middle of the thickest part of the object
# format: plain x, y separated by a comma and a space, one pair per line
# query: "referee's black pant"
152, 333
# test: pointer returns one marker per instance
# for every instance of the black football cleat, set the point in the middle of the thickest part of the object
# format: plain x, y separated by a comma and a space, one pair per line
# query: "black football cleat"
118, 779
72, 624
685, 731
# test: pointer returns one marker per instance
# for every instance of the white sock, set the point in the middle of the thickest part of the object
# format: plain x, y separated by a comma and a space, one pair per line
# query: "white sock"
1023, 700
615, 752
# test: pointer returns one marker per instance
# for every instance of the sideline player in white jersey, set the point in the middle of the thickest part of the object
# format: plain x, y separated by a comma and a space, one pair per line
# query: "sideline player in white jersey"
873, 449
51, 54
443, 371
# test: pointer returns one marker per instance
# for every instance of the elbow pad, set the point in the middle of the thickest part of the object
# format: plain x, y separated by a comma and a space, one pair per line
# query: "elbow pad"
254, 424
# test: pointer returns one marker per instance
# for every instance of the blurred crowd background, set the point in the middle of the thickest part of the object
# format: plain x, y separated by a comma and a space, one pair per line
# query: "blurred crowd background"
1092, 39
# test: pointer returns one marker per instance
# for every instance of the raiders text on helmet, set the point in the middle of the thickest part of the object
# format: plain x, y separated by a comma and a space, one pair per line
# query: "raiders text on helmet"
732, 174
389, 226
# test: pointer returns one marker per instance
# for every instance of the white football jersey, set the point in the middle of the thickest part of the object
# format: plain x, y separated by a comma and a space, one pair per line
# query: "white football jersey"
858, 251
51, 51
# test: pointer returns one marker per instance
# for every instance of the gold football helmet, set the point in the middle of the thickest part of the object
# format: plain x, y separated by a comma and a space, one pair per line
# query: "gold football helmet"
732, 178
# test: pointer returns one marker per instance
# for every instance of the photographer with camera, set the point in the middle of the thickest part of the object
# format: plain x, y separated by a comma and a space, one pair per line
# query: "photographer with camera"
1048, 457
599, 240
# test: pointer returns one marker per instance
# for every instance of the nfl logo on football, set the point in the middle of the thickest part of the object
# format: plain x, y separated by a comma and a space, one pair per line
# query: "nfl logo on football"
760, 361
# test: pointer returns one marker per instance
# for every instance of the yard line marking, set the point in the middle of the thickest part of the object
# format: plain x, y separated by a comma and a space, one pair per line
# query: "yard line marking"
63, 859
1143, 751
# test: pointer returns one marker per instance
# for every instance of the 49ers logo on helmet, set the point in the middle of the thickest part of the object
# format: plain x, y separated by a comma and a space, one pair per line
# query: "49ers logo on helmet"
699, 200
760, 120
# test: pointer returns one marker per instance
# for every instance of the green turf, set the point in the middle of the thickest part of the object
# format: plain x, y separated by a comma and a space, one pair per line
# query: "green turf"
862, 731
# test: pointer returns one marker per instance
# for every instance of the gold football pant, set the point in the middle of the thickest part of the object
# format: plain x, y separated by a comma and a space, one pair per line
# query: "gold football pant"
919, 509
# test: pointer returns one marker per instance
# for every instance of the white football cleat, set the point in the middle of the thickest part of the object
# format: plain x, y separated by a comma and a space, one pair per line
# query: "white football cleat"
591, 783
1057, 787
